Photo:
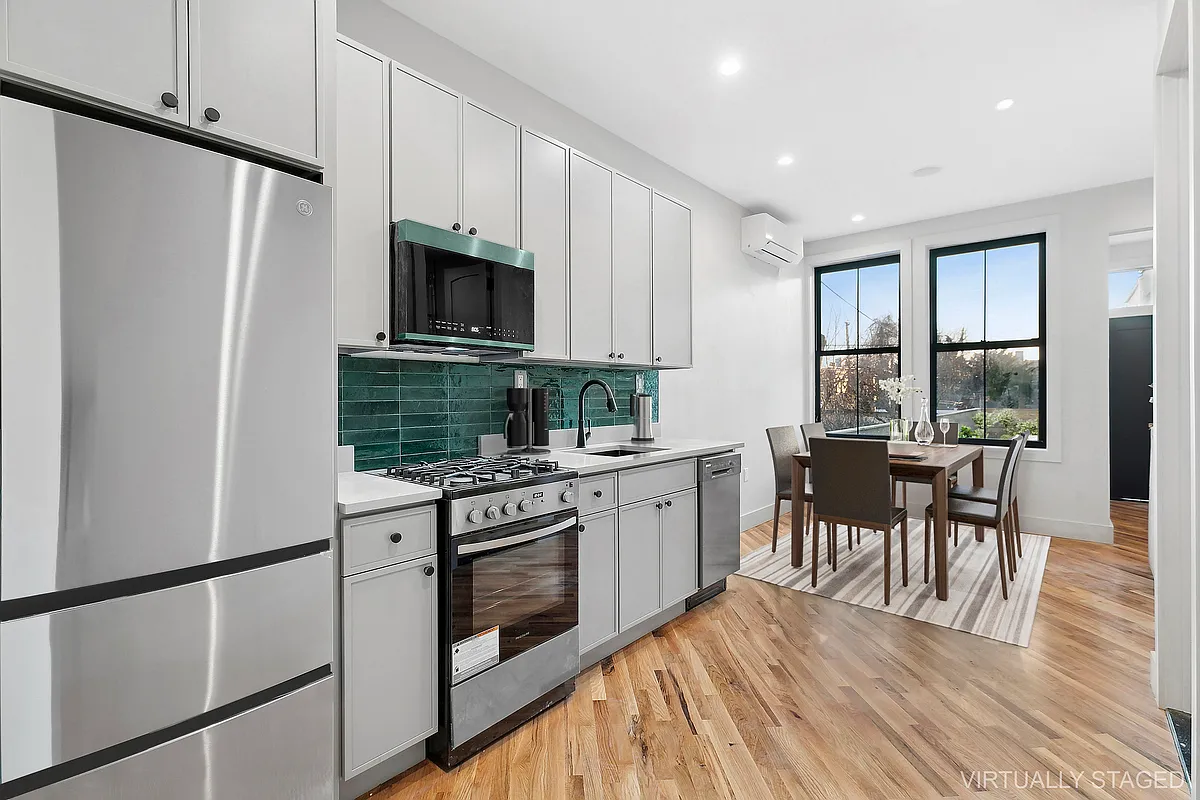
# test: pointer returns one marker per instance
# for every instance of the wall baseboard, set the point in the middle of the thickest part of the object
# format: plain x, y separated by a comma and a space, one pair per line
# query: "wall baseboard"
765, 514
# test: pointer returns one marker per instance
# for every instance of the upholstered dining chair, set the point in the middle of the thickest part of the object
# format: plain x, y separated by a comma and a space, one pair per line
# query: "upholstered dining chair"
816, 430
851, 487
990, 515
783, 446
984, 494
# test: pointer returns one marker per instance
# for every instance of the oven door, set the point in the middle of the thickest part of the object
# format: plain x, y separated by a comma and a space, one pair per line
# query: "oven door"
511, 588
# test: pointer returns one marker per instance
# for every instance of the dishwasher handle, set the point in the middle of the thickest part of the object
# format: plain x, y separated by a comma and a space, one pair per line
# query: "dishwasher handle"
718, 467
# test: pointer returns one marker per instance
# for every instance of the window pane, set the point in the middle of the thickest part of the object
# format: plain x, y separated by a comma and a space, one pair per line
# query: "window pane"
1131, 287
879, 306
839, 393
1013, 387
875, 410
1012, 293
960, 391
839, 324
960, 297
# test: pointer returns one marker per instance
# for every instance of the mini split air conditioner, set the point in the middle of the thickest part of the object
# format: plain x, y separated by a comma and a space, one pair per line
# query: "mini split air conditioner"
769, 240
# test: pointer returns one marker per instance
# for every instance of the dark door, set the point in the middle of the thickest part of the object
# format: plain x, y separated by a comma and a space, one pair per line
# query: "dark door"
1130, 373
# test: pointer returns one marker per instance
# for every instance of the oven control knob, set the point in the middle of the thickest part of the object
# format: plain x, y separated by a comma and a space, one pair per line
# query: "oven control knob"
568, 496
510, 510
475, 516
525, 505
492, 512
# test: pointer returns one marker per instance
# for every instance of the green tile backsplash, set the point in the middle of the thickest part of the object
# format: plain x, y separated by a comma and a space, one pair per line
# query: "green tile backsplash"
408, 411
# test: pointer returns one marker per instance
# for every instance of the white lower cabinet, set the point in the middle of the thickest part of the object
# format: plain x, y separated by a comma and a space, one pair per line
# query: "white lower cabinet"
597, 579
639, 561
389, 661
680, 545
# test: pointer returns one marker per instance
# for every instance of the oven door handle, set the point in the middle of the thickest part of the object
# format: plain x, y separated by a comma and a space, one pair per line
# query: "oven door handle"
520, 538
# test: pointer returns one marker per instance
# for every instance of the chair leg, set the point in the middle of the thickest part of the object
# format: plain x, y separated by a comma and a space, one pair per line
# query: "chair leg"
904, 548
955, 526
849, 539
829, 544
887, 566
904, 494
1010, 547
833, 544
858, 535
1016, 519
1000, 556
775, 526
928, 525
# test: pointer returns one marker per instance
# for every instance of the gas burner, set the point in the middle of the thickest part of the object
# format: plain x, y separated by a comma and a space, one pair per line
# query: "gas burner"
461, 473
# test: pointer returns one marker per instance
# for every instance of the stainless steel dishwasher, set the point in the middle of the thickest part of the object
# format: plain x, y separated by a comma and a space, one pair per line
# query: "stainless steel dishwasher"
720, 523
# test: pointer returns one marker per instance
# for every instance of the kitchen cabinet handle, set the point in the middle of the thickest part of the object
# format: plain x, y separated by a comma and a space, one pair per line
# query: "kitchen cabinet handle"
395, 537
170, 100
598, 493
612, 355
381, 337
620, 355
581, 529
668, 502
212, 115
658, 358
456, 227
473, 231
428, 571
658, 505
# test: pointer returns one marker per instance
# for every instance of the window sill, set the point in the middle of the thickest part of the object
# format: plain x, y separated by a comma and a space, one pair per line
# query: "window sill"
1043, 454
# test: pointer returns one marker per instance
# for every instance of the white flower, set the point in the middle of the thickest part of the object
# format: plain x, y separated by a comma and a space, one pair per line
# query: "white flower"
897, 389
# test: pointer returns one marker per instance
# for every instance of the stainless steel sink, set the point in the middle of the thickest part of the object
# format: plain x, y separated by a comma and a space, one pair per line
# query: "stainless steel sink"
615, 451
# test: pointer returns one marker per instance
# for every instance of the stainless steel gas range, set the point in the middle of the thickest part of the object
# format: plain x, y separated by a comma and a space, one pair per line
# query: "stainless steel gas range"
509, 599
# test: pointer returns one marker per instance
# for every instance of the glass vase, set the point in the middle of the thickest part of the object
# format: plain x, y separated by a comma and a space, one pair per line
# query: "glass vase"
924, 430
899, 432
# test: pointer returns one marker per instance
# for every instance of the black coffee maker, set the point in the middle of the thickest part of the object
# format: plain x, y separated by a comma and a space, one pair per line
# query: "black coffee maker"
528, 425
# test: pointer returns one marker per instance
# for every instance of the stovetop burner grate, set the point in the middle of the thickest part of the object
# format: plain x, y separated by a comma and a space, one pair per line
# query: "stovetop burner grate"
474, 471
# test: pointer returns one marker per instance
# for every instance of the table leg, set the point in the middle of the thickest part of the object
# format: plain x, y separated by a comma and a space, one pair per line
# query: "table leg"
940, 524
977, 479
799, 475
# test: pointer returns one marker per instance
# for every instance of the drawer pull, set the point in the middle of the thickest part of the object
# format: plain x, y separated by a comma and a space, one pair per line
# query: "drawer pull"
598, 493
668, 502
396, 537
428, 571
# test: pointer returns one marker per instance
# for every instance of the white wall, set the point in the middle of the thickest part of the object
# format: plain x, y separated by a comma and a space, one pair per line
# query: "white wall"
1064, 489
747, 321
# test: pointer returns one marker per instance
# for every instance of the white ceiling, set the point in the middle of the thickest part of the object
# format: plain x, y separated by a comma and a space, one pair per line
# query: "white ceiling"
861, 92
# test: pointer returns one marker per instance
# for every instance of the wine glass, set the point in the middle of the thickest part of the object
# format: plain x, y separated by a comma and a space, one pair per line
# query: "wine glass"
944, 424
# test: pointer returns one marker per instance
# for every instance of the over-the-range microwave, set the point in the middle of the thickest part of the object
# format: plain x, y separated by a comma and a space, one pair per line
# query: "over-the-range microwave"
454, 291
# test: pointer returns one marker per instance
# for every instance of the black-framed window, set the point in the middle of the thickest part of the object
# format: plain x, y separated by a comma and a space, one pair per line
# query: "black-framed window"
858, 344
987, 312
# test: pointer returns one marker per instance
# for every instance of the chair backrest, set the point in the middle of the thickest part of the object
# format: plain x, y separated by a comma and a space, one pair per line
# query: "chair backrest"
852, 480
810, 431
783, 447
1005, 487
1024, 437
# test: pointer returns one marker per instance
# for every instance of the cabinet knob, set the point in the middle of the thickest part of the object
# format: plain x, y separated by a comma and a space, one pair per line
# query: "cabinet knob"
395, 537
212, 115
668, 502
381, 337
658, 358
456, 227
612, 355
598, 493
658, 505
473, 231
428, 570
169, 100
581, 529
620, 355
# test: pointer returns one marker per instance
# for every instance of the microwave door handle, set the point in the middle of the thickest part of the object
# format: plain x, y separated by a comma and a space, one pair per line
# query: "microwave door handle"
520, 538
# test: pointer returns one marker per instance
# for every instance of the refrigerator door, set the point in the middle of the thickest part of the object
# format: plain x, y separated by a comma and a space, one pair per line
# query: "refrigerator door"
166, 355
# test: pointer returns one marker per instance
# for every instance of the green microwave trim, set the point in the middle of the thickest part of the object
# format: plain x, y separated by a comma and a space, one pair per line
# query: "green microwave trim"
408, 230
436, 339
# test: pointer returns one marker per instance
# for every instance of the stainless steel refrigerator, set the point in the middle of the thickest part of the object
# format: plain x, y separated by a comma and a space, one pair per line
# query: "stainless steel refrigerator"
167, 484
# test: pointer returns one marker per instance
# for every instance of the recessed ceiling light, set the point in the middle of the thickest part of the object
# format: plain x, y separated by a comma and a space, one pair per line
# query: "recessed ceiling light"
784, 160
729, 66
925, 172
1005, 104
857, 218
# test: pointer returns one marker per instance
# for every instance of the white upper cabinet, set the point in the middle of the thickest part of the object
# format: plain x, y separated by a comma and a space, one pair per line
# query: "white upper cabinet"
254, 73
360, 196
544, 232
591, 260
632, 284
490, 158
131, 54
672, 231
425, 151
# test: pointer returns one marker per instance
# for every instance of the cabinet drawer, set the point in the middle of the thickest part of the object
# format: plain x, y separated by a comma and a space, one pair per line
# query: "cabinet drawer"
597, 493
368, 542
639, 484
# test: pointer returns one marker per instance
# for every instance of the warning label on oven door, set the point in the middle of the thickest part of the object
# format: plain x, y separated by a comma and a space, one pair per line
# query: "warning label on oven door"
475, 654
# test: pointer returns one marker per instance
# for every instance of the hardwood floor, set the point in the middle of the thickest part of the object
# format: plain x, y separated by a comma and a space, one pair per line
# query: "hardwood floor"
765, 692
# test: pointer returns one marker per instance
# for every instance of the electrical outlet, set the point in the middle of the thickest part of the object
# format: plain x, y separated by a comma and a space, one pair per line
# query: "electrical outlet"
520, 379
745, 474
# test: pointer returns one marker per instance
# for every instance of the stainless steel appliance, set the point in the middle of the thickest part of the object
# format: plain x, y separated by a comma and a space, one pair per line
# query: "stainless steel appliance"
509, 549
720, 499
453, 290
166, 391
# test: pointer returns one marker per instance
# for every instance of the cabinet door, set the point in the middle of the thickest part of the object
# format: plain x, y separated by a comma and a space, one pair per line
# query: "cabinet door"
544, 231
360, 194
632, 287
425, 131
639, 559
591, 260
490, 156
254, 74
129, 54
680, 572
597, 579
672, 283
389, 654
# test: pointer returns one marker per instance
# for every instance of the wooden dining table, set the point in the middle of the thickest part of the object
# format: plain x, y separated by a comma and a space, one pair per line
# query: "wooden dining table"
936, 467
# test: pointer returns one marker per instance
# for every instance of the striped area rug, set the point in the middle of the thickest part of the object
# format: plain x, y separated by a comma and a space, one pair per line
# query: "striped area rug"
975, 605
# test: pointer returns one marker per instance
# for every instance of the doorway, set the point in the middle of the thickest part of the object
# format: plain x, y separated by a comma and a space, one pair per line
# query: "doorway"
1130, 413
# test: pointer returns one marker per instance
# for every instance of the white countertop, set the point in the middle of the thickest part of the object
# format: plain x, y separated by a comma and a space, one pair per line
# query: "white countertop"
359, 493
672, 450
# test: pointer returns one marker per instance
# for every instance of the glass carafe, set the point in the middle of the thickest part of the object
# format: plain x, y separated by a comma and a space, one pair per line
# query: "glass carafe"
924, 430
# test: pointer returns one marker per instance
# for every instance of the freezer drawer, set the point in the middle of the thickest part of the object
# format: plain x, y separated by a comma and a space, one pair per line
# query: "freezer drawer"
73, 682
280, 751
